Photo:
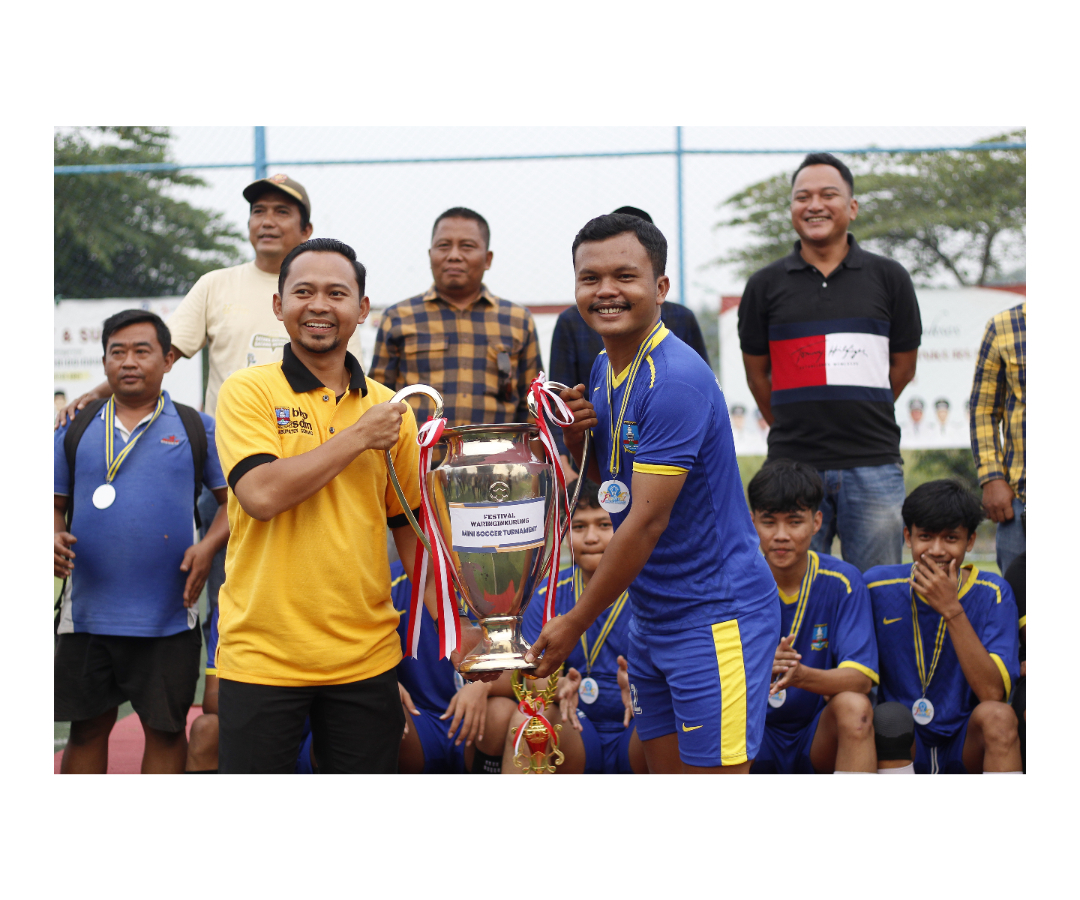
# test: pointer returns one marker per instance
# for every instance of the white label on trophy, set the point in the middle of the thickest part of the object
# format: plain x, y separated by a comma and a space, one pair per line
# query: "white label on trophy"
497, 527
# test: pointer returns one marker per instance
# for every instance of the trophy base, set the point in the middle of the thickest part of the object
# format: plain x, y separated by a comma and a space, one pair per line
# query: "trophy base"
501, 647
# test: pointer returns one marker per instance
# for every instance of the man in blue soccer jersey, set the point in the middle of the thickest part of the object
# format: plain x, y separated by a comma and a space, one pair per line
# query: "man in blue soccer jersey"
450, 726
706, 619
598, 736
820, 719
128, 621
948, 638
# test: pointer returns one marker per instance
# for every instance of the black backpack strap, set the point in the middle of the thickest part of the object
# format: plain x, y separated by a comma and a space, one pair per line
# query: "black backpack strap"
196, 435
74, 434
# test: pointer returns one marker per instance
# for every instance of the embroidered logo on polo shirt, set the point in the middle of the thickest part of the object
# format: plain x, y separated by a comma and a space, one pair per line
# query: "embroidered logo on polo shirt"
172, 440
292, 420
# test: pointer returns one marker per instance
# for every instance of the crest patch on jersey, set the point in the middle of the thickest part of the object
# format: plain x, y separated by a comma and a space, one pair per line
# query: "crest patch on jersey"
629, 437
821, 637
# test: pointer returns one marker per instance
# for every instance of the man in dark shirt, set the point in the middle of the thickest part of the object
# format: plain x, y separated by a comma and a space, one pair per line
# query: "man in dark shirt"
574, 345
829, 336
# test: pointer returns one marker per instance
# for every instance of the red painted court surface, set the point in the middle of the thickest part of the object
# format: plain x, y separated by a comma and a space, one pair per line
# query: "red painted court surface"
126, 745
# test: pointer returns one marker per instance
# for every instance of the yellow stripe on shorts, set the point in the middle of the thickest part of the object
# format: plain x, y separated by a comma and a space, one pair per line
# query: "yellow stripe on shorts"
729, 660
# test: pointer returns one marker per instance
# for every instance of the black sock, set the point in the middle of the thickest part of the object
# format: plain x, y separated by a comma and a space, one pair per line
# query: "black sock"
483, 764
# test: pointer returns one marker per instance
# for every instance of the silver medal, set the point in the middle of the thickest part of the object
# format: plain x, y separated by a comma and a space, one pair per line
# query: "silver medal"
104, 496
923, 711
614, 496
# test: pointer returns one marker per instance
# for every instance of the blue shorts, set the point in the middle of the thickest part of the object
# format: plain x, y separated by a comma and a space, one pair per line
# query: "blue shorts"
440, 754
786, 752
606, 752
944, 758
709, 685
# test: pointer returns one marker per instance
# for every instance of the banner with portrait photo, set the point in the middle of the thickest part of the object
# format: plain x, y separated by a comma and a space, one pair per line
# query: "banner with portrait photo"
933, 410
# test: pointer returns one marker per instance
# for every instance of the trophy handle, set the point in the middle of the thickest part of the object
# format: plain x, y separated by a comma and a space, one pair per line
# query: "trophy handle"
559, 386
398, 398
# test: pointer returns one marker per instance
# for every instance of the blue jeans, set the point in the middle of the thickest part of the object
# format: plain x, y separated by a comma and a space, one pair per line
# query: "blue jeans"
1011, 540
862, 506
208, 507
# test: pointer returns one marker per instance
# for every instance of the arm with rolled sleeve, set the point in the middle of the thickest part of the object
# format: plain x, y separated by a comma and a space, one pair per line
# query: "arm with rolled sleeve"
188, 324
987, 408
386, 361
529, 364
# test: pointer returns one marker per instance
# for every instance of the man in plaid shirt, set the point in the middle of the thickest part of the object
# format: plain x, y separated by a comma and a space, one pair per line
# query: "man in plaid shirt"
479, 351
999, 427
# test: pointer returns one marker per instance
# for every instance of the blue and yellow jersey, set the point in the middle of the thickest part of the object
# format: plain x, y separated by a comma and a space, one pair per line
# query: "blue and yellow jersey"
430, 681
988, 602
605, 640
706, 567
833, 622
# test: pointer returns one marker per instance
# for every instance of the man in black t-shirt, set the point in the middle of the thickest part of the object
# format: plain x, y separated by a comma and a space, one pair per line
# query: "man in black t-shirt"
829, 336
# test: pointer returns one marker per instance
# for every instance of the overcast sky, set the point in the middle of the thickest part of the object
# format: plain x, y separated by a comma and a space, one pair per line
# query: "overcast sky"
534, 207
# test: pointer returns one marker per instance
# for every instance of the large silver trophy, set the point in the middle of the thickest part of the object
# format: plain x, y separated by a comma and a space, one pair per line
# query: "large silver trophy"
492, 496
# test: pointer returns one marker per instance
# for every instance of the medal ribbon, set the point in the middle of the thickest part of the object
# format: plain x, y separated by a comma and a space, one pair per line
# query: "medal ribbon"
113, 461
939, 639
550, 405
616, 609
616, 428
804, 595
449, 635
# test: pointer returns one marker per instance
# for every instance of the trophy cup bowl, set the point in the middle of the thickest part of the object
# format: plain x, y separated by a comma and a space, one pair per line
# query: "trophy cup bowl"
492, 496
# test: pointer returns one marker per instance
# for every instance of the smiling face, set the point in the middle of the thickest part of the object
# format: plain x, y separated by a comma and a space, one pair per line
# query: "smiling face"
590, 533
616, 292
459, 257
785, 537
135, 363
822, 206
322, 305
940, 547
274, 227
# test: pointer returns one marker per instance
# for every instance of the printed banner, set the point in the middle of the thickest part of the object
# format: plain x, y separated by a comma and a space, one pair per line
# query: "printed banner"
932, 411
495, 527
77, 349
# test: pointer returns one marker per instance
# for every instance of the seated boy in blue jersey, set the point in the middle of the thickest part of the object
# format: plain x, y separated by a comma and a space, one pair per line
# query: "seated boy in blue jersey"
819, 718
598, 736
128, 626
948, 637
705, 615
450, 725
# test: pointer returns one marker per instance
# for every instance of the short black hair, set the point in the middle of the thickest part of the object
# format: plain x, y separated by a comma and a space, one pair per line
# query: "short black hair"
603, 227
323, 245
787, 486
305, 218
942, 505
826, 159
463, 212
132, 317
632, 211
590, 494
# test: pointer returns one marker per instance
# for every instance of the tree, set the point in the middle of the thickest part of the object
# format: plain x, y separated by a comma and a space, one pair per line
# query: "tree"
119, 234
960, 215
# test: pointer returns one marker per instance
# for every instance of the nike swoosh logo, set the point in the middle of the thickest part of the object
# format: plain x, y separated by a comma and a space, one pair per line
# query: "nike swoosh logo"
686, 727
890, 621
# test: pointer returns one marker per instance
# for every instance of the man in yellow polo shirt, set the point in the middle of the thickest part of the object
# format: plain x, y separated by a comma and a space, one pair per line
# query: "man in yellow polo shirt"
307, 625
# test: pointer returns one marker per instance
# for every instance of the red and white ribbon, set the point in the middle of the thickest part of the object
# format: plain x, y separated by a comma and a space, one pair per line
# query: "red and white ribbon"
550, 405
449, 635
534, 709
